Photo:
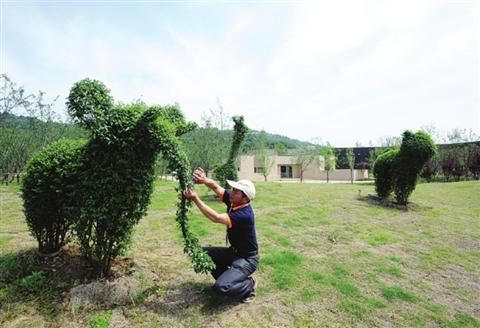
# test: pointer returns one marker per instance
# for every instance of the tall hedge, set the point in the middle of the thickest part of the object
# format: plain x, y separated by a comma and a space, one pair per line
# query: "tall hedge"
106, 187
398, 169
228, 171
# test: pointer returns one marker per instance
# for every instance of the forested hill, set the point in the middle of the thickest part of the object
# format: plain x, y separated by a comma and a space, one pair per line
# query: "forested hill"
271, 140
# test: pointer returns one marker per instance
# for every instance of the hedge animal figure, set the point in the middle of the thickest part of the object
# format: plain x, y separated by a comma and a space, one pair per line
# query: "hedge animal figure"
398, 169
102, 187
229, 169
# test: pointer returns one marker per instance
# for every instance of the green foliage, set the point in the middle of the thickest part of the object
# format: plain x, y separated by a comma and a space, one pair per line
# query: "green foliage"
392, 293
49, 193
304, 156
206, 146
90, 104
281, 149
474, 161
273, 141
398, 170
101, 320
27, 123
329, 156
351, 162
415, 151
228, 171
382, 168
34, 283
285, 265
263, 155
103, 187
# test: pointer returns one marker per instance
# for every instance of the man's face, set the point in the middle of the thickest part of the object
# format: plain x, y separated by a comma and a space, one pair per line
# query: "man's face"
237, 197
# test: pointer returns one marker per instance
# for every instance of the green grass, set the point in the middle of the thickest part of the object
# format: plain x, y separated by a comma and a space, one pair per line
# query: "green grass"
329, 257
393, 293
101, 320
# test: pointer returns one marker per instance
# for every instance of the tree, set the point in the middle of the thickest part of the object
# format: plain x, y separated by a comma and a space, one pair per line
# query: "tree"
264, 157
206, 145
389, 142
304, 156
12, 96
329, 156
462, 135
351, 162
20, 136
281, 149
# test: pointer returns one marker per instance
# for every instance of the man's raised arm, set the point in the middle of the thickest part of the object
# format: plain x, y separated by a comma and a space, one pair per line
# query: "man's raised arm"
200, 177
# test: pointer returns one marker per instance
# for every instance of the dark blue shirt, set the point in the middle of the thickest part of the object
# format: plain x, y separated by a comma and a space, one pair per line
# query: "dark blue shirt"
241, 232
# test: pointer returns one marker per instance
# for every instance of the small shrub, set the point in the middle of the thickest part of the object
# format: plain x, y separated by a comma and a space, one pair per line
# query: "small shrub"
48, 191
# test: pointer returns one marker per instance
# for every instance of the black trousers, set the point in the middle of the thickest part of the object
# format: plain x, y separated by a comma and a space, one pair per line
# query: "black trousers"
232, 272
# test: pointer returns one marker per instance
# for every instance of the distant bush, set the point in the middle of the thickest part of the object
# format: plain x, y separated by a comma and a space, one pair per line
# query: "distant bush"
451, 165
398, 169
474, 162
431, 169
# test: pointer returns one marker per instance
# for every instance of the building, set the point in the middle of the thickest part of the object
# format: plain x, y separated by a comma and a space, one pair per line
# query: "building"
287, 168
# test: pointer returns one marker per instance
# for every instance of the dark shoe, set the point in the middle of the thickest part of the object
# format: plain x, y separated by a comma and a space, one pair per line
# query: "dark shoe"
251, 297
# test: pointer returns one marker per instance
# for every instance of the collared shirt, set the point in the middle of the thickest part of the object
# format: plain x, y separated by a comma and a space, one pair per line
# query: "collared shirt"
241, 229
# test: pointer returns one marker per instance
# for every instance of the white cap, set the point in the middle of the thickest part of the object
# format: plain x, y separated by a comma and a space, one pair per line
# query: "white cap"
246, 186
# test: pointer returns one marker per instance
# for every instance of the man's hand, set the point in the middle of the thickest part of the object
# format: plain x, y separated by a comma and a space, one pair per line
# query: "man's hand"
190, 194
199, 176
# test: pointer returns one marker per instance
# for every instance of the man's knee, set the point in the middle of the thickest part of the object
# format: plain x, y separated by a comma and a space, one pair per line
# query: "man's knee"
221, 288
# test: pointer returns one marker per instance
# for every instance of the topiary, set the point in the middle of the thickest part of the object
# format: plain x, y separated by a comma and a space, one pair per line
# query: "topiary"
382, 168
398, 169
48, 191
229, 169
111, 175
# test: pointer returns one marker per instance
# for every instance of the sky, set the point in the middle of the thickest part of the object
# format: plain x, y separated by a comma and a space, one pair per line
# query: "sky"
346, 72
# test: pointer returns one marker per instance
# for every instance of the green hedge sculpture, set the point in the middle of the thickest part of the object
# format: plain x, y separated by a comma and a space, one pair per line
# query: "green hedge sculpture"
229, 169
398, 169
101, 188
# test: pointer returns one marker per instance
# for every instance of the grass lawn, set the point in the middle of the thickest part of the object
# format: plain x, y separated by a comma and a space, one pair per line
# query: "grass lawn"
330, 257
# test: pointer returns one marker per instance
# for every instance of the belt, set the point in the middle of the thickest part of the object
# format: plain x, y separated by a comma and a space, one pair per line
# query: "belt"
244, 254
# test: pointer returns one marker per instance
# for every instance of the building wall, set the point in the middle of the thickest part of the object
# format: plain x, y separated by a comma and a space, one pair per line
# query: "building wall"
315, 171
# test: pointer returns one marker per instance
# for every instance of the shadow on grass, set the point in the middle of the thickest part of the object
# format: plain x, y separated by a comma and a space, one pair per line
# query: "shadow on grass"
391, 204
179, 298
41, 282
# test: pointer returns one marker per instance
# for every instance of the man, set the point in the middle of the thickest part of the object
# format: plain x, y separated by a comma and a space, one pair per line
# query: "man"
234, 265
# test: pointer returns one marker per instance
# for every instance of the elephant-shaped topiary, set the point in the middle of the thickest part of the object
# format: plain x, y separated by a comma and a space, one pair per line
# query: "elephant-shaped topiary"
398, 169
101, 187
